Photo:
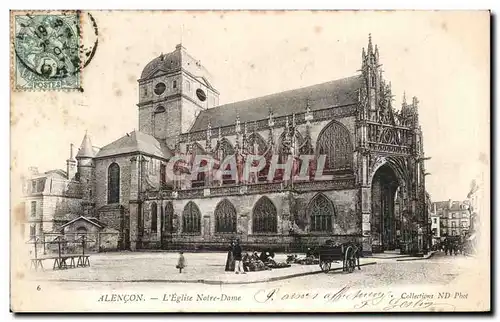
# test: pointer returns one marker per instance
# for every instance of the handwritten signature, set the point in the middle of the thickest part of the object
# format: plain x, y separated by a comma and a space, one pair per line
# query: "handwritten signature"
356, 299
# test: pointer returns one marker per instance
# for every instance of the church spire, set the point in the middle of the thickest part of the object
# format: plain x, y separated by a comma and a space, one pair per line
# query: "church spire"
86, 150
370, 46
372, 76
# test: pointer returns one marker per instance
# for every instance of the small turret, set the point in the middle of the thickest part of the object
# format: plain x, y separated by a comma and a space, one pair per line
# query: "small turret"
371, 72
85, 174
86, 150
84, 159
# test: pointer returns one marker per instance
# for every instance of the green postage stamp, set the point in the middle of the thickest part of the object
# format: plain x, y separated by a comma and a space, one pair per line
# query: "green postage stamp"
48, 50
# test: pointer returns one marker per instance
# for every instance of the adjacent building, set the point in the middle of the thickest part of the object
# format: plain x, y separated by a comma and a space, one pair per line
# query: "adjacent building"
435, 225
454, 217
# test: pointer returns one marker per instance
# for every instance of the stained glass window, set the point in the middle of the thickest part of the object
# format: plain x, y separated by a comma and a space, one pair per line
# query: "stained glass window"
200, 177
168, 218
334, 142
321, 213
264, 219
113, 183
191, 218
256, 144
225, 217
223, 150
154, 217
226, 149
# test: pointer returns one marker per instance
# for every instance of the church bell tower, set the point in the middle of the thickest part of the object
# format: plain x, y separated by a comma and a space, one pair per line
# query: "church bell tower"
173, 89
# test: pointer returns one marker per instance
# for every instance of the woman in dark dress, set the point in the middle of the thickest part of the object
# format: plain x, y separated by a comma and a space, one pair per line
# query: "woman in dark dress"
230, 259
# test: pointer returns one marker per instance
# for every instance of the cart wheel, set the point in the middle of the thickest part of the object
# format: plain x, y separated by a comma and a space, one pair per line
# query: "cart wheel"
325, 266
351, 265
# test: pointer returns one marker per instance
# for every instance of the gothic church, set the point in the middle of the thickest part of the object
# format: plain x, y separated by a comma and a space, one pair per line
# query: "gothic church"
373, 152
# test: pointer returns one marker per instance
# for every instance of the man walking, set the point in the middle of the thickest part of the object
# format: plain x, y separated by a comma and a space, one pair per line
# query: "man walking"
238, 265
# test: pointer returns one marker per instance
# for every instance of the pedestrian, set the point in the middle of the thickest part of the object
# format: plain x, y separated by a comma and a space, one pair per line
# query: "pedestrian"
181, 263
238, 265
230, 258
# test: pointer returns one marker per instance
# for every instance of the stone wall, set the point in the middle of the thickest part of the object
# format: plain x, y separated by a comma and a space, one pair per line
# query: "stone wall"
101, 182
346, 222
112, 216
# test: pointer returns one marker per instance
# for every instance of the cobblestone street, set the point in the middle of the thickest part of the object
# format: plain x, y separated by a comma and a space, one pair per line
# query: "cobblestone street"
160, 267
152, 278
143, 268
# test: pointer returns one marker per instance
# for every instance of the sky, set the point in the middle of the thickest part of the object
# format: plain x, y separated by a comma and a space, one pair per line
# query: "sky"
442, 58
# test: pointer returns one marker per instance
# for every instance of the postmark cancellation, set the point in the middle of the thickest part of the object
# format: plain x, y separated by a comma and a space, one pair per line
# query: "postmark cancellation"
48, 50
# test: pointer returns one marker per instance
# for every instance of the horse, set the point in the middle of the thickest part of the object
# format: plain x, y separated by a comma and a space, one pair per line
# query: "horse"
351, 252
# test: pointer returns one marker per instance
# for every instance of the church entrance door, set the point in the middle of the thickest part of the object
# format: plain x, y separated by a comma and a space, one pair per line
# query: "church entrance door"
383, 221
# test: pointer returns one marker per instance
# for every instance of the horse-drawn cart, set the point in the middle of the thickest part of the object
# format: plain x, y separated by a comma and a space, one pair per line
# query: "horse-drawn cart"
348, 253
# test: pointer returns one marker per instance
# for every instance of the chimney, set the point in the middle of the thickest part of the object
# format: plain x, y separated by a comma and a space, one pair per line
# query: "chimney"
450, 203
33, 171
71, 164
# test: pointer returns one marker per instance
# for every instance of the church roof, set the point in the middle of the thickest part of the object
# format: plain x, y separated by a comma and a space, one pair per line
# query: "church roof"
334, 93
91, 220
86, 150
175, 61
135, 141
441, 204
164, 62
61, 173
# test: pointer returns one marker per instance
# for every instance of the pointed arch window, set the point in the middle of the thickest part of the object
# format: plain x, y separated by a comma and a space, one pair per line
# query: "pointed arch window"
256, 145
191, 218
264, 217
168, 218
197, 149
321, 213
163, 175
225, 217
287, 147
113, 183
223, 150
334, 142
154, 217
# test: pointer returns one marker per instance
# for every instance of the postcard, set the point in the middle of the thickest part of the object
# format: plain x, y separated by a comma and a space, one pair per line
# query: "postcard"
250, 161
